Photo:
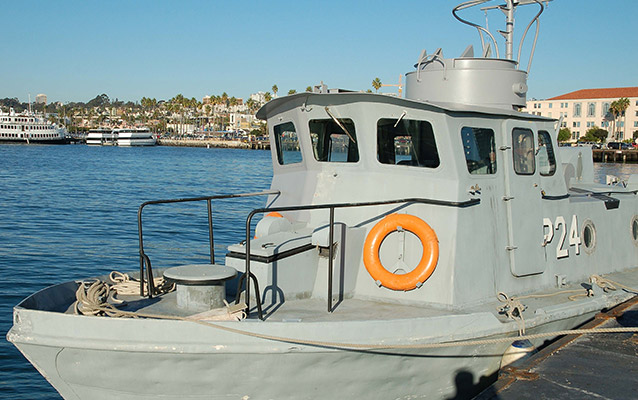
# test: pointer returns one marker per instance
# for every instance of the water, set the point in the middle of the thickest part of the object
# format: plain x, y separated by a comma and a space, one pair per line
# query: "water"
71, 211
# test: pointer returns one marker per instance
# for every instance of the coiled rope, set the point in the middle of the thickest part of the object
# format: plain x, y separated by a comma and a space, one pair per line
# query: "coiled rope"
98, 298
93, 300
125, 285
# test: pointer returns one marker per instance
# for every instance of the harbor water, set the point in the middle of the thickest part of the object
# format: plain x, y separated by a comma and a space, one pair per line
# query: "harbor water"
68, 212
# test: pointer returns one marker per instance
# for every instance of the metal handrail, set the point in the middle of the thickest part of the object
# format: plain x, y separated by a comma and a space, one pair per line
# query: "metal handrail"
145, 260
331, 207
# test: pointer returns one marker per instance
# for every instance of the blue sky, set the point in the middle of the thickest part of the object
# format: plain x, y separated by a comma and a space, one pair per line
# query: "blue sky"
75, 50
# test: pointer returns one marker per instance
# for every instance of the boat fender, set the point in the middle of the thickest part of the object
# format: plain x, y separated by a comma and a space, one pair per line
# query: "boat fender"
415, 278
518, 350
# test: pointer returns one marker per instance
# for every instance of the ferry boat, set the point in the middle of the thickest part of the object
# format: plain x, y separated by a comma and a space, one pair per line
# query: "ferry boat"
404, 244
29, 127
134, 137
101, 137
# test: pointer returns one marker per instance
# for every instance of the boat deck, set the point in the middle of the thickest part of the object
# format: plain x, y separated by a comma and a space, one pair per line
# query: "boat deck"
537, 305
314, 310
577, 367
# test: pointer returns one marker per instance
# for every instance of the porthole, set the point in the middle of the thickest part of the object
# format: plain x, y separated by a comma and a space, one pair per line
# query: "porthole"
634, 229
589, 236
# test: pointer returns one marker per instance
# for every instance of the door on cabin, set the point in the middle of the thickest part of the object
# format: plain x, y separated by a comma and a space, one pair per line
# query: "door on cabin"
522, 200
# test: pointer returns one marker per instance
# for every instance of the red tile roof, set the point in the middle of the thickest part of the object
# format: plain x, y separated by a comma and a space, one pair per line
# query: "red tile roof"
607, 93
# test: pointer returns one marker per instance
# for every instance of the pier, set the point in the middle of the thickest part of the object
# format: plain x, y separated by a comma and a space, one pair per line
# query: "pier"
577, 367
215, 143
612, 155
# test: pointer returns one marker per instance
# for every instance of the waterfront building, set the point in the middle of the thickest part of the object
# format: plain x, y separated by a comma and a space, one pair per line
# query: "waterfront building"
259, 97
41, 99
239, 121
583, 109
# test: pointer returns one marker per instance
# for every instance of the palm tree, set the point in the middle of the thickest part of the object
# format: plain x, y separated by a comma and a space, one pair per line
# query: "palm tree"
618, 108
252, 105
178, 104
376, 84
309, 89
267, 96
292, 91
225, 99
275, 89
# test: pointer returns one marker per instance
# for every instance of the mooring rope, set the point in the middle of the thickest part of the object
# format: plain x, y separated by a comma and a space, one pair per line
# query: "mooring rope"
125, 285
93, 300
513, 308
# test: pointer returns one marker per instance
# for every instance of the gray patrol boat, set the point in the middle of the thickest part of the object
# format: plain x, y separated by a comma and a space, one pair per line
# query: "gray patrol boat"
405, 243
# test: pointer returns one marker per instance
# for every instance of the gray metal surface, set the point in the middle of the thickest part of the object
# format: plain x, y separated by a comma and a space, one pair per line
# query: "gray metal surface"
200, 287
602, 366
200, 273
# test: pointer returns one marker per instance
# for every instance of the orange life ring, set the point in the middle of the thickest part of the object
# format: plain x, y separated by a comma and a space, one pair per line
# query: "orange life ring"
415, 278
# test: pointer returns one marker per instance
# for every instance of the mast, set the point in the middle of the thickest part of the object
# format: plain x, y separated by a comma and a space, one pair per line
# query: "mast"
508, 34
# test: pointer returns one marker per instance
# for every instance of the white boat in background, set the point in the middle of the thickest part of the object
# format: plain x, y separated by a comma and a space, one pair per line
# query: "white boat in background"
134, 137
101, 137
29, 127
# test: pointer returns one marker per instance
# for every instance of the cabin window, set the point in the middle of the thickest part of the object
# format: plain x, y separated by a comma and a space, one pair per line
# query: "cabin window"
523, 148
480, 150
334, 142
287, 142
406, 142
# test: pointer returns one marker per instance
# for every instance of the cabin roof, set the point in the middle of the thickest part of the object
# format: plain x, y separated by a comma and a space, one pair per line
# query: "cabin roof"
604, 93
269, 108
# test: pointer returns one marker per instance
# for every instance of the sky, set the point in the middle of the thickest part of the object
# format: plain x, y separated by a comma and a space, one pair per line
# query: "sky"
76, 50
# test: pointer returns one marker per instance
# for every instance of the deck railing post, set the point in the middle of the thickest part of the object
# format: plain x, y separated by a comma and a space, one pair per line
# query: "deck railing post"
141, 242
330, 257
247, 281
210, 231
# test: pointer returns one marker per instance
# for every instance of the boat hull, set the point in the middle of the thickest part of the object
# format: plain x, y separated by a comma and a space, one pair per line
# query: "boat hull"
99, 358
60, 140
136, 142
90, 374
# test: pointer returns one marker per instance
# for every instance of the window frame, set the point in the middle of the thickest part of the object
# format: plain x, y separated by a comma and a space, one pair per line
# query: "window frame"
517, 157
494, 163
279, 153
351, 141
551, 157
430, 127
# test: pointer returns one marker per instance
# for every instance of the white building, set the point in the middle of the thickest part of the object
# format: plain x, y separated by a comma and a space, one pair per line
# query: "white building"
41, 98
259, 97
586, 108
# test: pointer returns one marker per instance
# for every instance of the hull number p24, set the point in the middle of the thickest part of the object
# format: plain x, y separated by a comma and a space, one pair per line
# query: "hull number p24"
560, 225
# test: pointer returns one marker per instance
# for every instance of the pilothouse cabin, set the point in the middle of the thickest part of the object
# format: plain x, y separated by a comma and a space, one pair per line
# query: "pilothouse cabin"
354, 147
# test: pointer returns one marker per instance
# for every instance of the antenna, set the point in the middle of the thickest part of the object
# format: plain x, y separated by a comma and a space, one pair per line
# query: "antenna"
508, 8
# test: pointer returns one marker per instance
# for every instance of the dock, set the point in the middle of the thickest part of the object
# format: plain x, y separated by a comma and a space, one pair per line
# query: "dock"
612, 155
602, 366
215, 143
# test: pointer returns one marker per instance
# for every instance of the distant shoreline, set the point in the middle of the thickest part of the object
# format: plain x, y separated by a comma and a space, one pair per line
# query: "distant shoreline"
224, 144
